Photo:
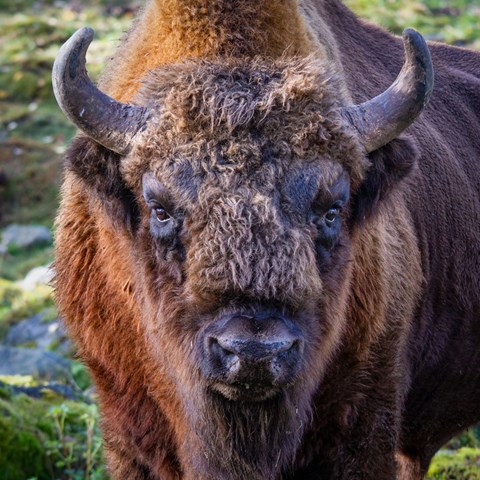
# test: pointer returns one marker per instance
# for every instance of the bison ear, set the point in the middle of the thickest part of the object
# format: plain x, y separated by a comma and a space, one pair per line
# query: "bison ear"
390, 164
99, 169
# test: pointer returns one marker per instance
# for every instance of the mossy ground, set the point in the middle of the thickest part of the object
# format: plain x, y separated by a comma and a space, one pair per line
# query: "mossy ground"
15, 264
49, 438
462, 464
17, 304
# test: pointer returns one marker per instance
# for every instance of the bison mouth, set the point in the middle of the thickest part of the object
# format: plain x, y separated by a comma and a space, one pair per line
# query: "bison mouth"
246, 392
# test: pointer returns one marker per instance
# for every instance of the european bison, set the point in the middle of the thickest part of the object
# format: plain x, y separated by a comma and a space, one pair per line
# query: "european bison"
266, 277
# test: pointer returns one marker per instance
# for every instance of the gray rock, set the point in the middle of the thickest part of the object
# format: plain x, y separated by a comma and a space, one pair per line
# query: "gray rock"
65, 348
37, 276
66, 391
35, 331
38, 363
25, 236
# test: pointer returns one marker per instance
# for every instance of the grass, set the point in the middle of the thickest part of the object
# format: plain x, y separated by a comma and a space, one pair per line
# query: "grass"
33, 130
461, 464
48, 438
452, 21
17, 304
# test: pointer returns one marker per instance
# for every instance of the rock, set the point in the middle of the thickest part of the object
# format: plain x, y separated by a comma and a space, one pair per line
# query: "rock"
38, 363
24, 236
42, 391
34, 331
37, 276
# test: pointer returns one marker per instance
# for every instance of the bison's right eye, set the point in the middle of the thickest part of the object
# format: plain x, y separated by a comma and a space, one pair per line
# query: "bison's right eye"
161, 214
163, 225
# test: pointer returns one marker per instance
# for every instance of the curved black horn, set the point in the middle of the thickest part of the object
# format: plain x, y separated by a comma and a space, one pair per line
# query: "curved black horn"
108, 122
384, 117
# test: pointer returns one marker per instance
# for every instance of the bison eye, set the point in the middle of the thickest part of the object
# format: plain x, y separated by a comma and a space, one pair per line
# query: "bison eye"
161, 214
331, 216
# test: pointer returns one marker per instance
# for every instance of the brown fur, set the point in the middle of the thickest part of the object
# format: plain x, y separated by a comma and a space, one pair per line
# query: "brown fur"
244, 137
212, 28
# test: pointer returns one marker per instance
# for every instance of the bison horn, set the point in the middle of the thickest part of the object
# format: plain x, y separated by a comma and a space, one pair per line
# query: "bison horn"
108, 122
384, 117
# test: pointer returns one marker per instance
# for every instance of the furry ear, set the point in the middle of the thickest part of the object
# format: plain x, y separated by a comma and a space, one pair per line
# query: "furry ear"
390, 164
99, 168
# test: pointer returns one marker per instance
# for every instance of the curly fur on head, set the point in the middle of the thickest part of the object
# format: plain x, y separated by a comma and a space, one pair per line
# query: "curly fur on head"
287, 104
231, 142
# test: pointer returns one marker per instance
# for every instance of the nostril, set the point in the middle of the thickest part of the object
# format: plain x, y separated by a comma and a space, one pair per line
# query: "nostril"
286, 363
221, 355
262, 353
219, 349
292, 349
297, 345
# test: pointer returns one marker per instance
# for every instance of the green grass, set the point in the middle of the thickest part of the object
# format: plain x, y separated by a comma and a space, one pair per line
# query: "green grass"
33, 130
48, 438
17, 304
452, 21
462, 464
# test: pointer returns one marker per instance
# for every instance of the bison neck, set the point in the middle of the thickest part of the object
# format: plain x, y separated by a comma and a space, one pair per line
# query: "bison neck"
169, 31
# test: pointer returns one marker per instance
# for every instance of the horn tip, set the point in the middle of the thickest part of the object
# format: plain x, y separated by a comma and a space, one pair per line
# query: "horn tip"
415, 41
76, 44
87, 32
84, 33
410, 32
416, 47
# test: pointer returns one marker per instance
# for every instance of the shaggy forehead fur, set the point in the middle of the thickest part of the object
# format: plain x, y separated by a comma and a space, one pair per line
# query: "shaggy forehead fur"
238, 115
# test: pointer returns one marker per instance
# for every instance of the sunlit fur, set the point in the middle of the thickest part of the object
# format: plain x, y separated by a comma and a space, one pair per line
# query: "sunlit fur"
169, 31
244, 113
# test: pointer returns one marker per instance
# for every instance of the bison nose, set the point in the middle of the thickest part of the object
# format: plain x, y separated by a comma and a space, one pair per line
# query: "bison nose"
261, 351
230, 351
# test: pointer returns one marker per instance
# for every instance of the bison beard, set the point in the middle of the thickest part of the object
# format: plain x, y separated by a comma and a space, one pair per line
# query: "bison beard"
246, 440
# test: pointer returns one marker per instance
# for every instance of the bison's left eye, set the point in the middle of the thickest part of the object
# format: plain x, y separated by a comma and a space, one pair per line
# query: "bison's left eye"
331, 216
328, 223
327, 220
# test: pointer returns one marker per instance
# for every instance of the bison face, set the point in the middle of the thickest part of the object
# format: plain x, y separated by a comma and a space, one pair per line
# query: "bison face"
244, 184
243, 181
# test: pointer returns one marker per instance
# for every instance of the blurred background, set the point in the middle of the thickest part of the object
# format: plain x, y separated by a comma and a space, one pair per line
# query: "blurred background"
48, 417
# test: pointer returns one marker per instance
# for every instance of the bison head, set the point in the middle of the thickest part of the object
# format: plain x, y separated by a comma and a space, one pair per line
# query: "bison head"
244, 182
